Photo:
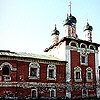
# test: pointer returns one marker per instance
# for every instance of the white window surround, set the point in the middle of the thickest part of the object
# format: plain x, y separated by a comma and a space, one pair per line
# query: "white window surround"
83, 44
34, 89
73, 42
83, 53
89, 70
52, 90
8, 64
34, 65
92, 47
77, 69
51, 67
84, 94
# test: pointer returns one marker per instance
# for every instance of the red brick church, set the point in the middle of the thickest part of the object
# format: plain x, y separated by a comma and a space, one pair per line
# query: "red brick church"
82, 69
68, 69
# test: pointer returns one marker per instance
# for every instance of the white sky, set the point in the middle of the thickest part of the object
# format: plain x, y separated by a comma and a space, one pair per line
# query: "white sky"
26, 25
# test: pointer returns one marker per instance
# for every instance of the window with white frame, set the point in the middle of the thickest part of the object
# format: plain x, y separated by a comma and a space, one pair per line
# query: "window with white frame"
34, 70
84, 58
52, 93
51, 72
84, 93
83, 54
34, 93
89, 75
6, 73
77, 74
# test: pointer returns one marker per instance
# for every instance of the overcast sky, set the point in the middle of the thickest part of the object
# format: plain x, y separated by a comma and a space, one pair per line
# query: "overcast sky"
26, 25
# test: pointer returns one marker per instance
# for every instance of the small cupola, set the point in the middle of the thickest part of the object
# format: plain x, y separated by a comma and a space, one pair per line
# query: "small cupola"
55, 35
88, 32
88, 27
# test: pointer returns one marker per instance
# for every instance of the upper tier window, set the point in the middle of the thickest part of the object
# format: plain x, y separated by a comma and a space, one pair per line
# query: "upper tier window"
83, 45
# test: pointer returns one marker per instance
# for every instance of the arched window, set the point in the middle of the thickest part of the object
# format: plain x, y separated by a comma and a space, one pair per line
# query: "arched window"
82, 45
53, 93
77, 74
5, 70
73, 43
34, 93
91, 47
89, 75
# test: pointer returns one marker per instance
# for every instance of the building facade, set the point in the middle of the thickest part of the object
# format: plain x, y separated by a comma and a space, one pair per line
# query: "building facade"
25, 75
82, 72
69, 69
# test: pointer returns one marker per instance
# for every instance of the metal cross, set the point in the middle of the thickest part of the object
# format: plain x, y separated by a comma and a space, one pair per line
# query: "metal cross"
70, 6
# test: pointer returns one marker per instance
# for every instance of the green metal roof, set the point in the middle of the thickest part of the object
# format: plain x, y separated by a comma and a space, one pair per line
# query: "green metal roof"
28, 55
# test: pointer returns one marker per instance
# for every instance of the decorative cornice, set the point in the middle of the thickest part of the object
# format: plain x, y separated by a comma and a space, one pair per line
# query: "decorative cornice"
33, 60
32, 84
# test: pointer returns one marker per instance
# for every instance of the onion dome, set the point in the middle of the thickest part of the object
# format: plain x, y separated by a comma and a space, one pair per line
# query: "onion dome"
55, 31
88, 27
70, 20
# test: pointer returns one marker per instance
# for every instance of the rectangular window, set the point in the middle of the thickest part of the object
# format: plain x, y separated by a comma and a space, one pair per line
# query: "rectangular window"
34, 93
53, 93
77, 75
89, 75
33, 72
83, 59
51, 73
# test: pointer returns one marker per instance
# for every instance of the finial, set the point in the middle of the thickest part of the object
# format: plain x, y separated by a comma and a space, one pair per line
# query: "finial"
87, 20
70, 7
55, 27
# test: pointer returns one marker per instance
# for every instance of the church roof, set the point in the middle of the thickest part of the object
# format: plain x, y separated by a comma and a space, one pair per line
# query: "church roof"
55, 31
88, 27
67, 38
28, 55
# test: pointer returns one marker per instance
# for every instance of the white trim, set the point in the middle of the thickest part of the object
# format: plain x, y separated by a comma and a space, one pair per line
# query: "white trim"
84, 45
84, 54
75, 43
34, 65
89, 70
53, 67
97, 73
92, 46
54, 92
77, 69
85, 95
68, 69
6, 63
36, 92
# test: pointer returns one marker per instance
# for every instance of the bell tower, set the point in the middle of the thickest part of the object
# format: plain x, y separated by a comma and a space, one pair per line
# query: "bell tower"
88, 32
55, 36
70, 25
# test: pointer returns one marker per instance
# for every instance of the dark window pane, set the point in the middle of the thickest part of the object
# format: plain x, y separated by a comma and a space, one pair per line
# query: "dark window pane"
51, 73
33, 93
89, 75
5, 70
83, 59
77, 75
34, 72
52, 93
